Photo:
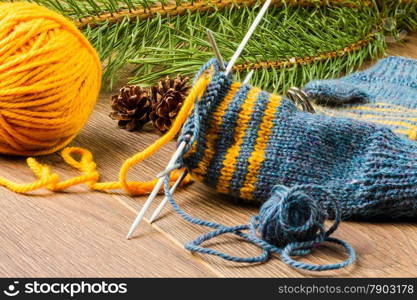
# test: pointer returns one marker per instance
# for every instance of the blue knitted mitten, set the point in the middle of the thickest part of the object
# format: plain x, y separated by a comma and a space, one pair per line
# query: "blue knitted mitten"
304, 167
385, 94
245, 141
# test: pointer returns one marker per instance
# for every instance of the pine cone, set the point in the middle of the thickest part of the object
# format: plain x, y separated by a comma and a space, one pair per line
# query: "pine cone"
167, 99
131, 107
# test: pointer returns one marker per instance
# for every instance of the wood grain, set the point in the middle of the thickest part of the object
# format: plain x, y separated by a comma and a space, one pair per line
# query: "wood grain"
81, 233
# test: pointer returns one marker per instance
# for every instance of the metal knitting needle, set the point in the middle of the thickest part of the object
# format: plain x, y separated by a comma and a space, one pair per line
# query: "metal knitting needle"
171, 166
155, 191
220, 59
216, 50
248, 35
165, 200
181, 178
166, 171
182, 145
248, 77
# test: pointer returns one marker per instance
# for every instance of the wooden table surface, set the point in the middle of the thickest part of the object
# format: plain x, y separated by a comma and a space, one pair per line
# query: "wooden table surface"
82, 233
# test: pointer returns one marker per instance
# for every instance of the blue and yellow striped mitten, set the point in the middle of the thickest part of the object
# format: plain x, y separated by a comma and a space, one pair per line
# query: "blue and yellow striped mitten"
244, 141
385, 94
305, 167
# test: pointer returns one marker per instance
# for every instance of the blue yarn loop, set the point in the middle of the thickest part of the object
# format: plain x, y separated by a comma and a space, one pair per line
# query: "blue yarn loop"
290, 223
191, 128
210, 63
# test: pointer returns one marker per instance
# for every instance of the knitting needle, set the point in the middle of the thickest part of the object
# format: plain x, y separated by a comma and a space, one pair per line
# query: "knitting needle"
172, 166
220, 59
248, 35
165, 200
166, 171
180, 179
216, 50
248, 77
182, 145
155, 191
298, 96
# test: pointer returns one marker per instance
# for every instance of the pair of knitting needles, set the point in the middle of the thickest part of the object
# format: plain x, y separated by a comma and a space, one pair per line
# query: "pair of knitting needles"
220, 59
172, 162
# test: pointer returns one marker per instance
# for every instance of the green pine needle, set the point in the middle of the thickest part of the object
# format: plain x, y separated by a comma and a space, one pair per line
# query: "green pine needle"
160, 45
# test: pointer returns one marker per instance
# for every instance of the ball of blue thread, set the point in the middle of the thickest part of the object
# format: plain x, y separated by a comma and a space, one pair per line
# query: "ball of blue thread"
289, 216
290, 223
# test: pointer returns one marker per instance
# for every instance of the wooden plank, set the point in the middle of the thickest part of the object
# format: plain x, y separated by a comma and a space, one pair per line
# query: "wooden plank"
384, 249
80, 234
372, 241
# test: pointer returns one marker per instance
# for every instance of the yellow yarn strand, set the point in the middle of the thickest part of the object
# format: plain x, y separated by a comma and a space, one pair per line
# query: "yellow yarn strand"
87, 166
196, 92
50, 78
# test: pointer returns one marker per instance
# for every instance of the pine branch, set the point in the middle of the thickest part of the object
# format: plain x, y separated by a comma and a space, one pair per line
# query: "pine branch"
175, 9
89, 12
163, 45
403, 12
162, 38
323, 42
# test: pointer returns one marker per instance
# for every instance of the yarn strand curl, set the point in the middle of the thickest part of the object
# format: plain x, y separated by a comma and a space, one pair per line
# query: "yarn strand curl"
50, 78
87, 166
290, 223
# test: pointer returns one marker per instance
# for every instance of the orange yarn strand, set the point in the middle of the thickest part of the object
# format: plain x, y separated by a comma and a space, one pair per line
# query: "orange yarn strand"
50, 78
87, 166
196, 92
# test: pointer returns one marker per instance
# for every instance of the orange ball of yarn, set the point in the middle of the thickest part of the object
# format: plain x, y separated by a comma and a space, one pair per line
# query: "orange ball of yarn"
50, 78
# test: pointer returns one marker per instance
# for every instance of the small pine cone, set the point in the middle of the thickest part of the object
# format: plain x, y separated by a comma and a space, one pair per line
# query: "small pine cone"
131, 107
167, 99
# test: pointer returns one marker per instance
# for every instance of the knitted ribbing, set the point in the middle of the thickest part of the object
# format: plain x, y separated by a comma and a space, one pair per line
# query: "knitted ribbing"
248, 141
385, 94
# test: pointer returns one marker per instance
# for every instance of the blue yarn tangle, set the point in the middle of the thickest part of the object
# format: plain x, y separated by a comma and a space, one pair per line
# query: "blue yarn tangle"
290, 223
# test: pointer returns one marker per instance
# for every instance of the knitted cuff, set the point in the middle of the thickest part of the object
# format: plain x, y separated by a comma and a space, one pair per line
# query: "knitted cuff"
385, 180
245, 141
385, 94
392, 80
370, 169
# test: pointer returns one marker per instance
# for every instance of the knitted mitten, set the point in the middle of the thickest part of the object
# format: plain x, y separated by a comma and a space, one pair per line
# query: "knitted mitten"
385, 94
244, 141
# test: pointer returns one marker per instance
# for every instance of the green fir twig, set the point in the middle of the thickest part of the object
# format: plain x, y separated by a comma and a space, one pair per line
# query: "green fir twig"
159, 43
